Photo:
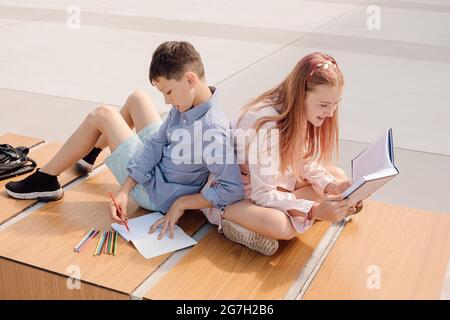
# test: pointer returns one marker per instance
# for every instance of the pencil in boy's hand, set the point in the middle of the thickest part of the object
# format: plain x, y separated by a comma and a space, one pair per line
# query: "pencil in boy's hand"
119, 211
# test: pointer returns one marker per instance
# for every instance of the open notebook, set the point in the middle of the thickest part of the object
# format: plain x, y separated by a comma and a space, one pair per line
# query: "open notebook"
148, 244
372, 168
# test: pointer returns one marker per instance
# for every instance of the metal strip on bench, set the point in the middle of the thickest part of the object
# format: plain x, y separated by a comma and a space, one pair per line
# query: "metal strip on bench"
301, 284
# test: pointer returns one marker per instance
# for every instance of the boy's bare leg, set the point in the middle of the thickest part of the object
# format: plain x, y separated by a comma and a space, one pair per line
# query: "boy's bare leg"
105, 127
138, 112
104, 120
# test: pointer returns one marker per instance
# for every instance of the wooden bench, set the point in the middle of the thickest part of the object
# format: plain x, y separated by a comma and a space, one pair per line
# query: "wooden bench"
10, 207
37, 258
17, 140
407, 248
217, 268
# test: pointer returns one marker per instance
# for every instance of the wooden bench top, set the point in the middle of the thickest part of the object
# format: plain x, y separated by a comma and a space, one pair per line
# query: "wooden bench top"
45, 239
409, 248
17, 140
217, 268
11, 207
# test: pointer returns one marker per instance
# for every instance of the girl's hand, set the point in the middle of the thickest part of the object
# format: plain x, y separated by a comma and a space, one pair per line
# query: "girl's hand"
333, 208
336, 188
358, 207
169, 220
122, 201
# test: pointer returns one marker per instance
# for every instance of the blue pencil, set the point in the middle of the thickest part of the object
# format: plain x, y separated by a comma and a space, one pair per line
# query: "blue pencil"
100, 244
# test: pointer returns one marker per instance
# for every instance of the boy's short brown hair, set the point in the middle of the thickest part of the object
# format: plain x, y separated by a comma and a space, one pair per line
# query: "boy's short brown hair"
173, 58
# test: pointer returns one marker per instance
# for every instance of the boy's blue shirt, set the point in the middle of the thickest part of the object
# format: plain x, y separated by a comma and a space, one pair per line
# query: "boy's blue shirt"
166, 179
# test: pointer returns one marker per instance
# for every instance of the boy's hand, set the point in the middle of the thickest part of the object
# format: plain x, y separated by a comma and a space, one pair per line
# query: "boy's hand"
122, 201
169, 220
336, 187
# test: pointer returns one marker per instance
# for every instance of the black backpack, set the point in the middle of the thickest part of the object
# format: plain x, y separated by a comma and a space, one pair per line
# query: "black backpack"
14, 161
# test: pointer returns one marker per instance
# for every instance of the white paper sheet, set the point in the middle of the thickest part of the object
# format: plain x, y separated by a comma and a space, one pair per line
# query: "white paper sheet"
147, 244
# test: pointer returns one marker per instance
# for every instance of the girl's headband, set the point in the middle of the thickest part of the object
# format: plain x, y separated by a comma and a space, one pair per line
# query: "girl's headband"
325, 65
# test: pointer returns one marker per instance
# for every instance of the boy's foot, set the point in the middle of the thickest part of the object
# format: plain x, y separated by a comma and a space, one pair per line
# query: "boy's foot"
87, 163
250, 239
39, 185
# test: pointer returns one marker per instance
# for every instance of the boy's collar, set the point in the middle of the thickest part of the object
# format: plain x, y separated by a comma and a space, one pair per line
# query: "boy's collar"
196, 112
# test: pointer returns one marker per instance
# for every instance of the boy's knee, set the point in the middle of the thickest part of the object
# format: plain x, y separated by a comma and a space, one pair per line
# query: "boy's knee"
102, 112
139, 95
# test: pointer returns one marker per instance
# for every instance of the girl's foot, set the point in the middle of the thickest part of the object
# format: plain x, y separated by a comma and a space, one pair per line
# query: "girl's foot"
87, 163
250, 239
39, 185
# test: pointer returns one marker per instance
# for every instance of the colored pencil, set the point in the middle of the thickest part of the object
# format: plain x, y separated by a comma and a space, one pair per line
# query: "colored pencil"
105, 238
116, 235
105, 245
88, 240
109, 241
119, 211
84, 239
99, 245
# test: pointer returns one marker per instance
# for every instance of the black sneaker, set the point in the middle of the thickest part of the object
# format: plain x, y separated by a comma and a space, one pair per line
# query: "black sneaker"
87, 163
39, 186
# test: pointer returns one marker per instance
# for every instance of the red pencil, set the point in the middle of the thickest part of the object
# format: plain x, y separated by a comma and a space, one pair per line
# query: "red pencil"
118, 210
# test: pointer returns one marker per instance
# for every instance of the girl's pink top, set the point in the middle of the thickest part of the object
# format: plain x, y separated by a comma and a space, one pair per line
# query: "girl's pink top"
257, 154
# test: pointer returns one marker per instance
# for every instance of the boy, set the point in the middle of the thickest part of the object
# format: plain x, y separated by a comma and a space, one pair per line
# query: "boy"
148, 164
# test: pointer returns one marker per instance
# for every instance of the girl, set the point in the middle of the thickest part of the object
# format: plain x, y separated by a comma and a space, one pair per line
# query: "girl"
297, 122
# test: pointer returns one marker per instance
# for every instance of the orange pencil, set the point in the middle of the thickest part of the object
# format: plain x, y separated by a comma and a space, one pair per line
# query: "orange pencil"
118, 210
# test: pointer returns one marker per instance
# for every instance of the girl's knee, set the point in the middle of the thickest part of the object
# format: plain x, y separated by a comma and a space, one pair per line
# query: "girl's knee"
337, 172
282, 231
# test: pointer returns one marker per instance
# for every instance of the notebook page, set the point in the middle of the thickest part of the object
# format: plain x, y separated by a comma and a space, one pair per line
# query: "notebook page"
138, 226
150, 246
373, 159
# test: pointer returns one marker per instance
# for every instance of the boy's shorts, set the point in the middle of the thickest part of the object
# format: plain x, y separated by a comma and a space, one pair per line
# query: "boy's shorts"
117, 162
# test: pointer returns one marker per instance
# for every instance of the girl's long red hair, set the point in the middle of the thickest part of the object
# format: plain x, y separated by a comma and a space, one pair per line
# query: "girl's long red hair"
298, 138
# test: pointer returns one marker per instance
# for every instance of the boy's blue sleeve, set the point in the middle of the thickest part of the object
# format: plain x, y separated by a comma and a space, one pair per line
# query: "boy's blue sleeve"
220, 159
140, 165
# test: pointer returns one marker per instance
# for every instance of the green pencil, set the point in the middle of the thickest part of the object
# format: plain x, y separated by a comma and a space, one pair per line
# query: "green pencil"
109, 241
116, 235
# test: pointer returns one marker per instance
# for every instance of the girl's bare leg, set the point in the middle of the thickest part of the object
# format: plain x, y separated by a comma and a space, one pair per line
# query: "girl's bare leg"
268, 222
138, 112
271, 222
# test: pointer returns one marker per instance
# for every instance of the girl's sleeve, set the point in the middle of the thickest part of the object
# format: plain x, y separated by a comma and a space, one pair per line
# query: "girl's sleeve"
318, 176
